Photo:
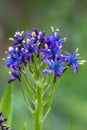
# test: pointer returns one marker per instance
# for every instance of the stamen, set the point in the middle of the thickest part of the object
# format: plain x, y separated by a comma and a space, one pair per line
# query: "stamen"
40, 33
22, 48
28, 40
46, 46
22, 32
38, 43
65, 38
60, 47
9, 73
8, 57
83, 61
33, 34
16, 48
17, 33
57, 29
77, 54
23, 41
32, 38
10, 48
3, 58
39, 37
26, 50
56, 34
77, 50
52, 28
11, 39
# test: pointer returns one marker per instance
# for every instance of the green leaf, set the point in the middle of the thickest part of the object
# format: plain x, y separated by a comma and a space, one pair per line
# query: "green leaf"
25, 126
30, 77
49, 99
6, 104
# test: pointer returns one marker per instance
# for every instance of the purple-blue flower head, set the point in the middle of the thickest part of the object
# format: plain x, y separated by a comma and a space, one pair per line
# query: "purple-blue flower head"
48, 49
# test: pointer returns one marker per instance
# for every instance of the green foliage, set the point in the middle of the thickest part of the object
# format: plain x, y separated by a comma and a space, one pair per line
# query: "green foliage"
6, 103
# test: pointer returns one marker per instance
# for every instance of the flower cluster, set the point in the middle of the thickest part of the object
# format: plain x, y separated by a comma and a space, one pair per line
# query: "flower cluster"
3, 119
27, 45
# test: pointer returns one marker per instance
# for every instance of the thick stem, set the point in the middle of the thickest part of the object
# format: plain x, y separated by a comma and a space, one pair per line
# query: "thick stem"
39, 110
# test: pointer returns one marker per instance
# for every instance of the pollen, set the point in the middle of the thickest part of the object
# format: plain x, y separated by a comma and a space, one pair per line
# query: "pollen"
38, 43
3, 58
33, 34
46, 46
11, 39
22, 48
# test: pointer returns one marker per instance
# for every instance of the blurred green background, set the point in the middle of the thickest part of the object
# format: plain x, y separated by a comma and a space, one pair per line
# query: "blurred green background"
69, 109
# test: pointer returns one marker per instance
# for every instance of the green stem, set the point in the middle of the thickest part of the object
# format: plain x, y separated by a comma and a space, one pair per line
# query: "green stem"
49, 99
38, 110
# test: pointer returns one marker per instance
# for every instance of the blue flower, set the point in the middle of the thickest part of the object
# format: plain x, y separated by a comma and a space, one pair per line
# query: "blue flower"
54, 66
14, 58
14, 75
36, 37
54, 39
53, 45
18, 38
74, 60
3, 119
36, 41
51, 53
39, 35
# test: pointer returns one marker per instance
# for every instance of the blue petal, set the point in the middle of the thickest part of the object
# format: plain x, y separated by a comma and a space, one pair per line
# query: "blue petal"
47, 71
47, 62
75, 68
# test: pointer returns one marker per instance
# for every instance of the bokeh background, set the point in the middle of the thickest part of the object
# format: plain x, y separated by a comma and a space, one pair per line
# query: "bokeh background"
69, 109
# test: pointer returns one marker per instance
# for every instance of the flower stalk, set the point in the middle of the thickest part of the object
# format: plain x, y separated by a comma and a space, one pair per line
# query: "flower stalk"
38, 115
